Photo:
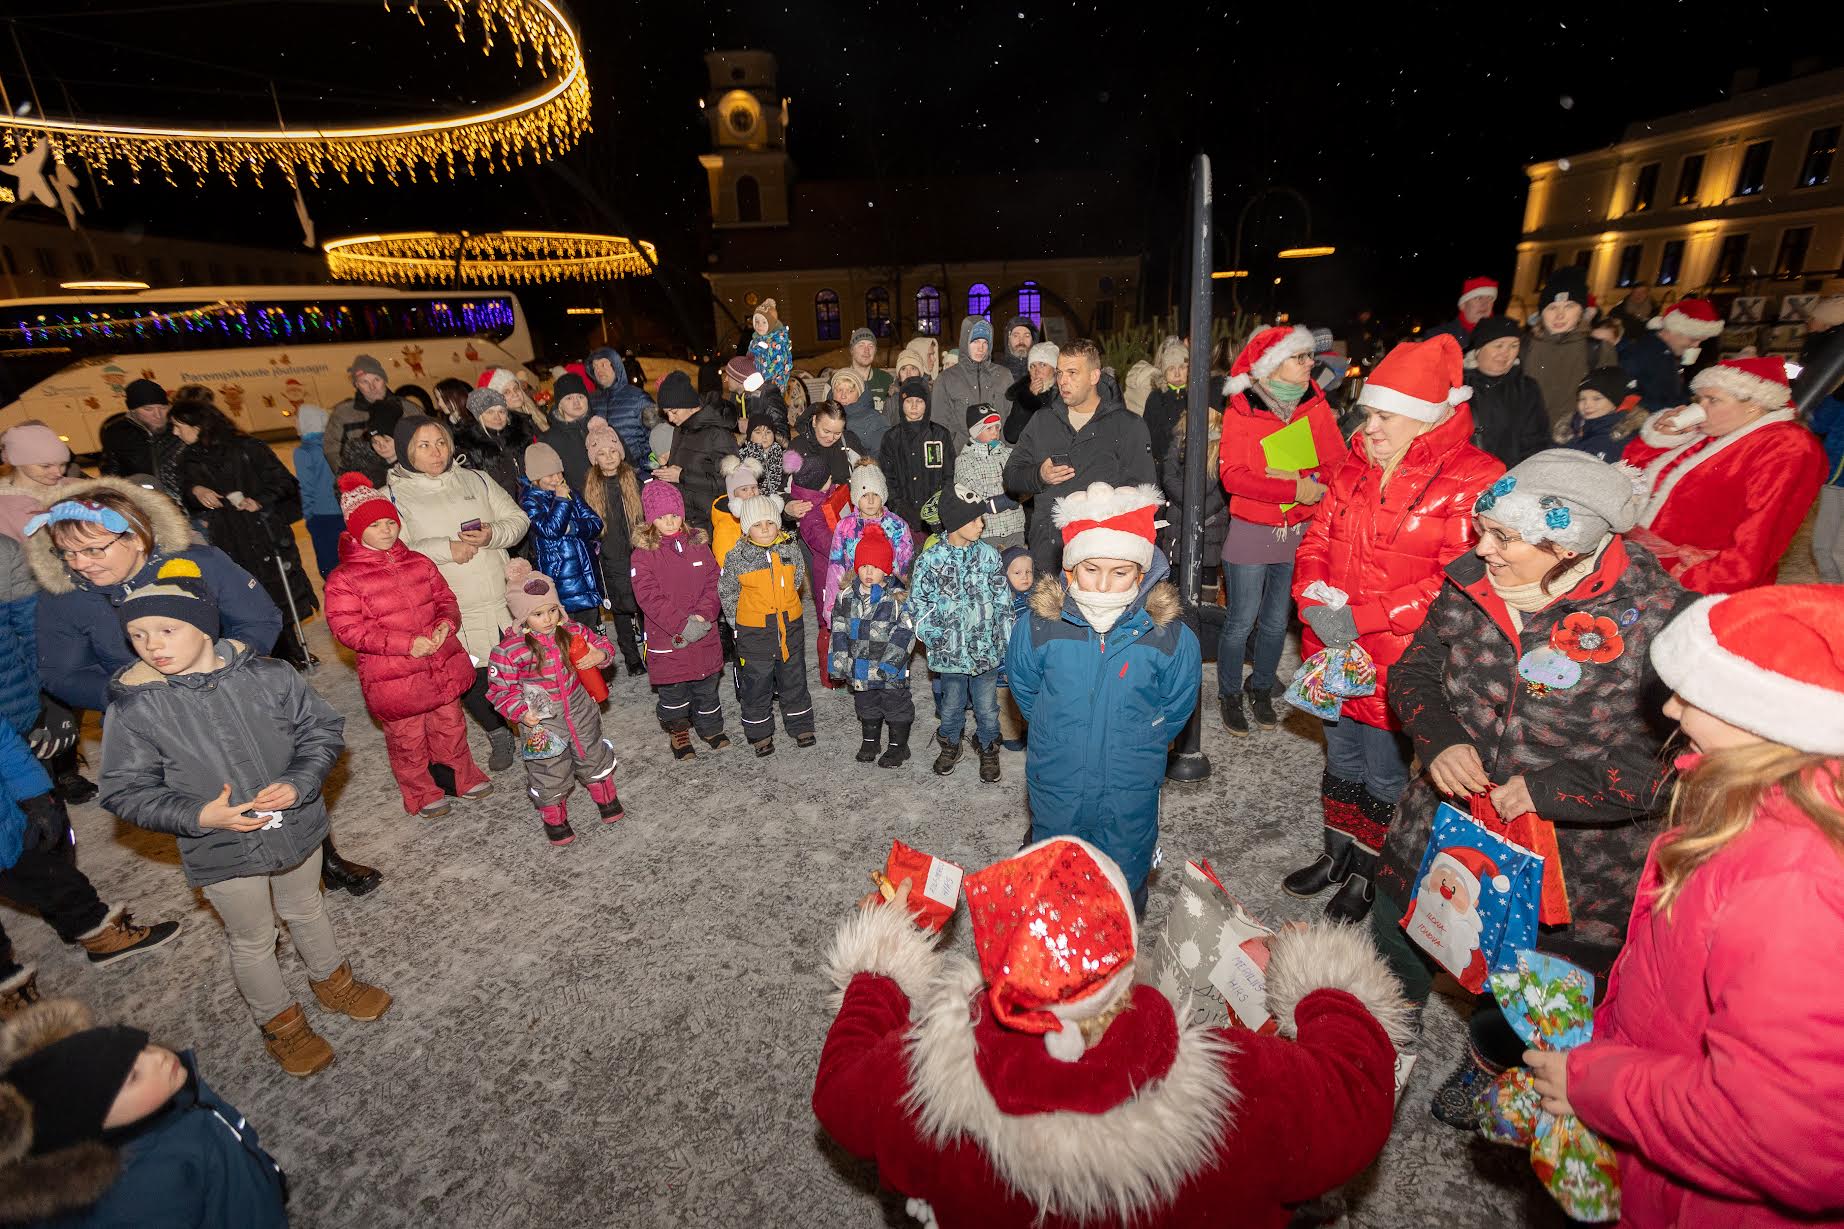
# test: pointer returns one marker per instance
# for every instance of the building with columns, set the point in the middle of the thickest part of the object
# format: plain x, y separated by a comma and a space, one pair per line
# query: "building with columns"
900, 255
1743, 199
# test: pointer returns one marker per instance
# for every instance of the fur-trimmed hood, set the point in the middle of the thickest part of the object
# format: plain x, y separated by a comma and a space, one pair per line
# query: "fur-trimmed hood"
1050, 597
172, 531
646, 537
35, 1188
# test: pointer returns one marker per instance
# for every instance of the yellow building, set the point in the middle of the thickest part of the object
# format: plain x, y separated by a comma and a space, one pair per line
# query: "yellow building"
1740, 199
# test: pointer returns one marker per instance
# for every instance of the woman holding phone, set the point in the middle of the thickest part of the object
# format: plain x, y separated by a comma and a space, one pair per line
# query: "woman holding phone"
466, 523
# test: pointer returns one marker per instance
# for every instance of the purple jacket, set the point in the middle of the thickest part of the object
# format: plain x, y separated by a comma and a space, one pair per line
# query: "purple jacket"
674, 579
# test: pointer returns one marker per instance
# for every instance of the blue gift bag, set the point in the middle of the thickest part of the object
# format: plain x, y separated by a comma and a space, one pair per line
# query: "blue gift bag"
1476, 898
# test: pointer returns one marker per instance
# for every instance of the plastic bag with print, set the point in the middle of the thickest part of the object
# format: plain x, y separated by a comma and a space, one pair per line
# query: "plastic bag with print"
1212, 959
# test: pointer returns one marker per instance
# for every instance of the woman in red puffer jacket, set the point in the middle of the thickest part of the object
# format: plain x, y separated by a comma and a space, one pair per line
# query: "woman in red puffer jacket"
1400, 509
390, 605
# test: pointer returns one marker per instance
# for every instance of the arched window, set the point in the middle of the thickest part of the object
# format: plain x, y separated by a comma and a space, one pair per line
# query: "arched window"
877, 311
826, 315
1031, 303
979, 299
928, 311
748, 199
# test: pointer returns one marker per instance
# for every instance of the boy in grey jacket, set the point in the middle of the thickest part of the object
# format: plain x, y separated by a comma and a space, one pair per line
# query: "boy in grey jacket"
249, 820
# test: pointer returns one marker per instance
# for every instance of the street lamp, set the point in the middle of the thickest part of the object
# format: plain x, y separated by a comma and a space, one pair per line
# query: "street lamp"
1306, 253
1235, 297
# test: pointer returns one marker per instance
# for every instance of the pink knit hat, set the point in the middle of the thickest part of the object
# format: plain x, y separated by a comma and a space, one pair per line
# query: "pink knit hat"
527, 590
33, 443
659, 499
601, 440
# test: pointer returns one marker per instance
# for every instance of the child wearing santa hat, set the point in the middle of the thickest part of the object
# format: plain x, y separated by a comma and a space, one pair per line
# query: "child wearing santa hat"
1107, 674
1043, 1086
391, 606
1714, 1068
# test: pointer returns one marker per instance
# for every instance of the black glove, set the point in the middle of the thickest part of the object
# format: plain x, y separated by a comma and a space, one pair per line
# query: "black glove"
47, 822
56, 731
999, 503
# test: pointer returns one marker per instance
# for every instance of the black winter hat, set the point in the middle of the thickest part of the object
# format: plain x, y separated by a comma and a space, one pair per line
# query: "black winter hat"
384, 417
1567, 284
408, 426
144, 392
914, 386
957, 507
71, 1083
178, 591
676, 392
762, 418
569, 384
1611, 382
1491, 329
978, 413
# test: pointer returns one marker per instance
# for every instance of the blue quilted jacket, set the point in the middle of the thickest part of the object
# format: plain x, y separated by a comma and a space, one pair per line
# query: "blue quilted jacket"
565, 536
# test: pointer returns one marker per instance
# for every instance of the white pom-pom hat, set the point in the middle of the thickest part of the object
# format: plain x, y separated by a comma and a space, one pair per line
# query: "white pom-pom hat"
1422, 380
1693, 318
1109, 522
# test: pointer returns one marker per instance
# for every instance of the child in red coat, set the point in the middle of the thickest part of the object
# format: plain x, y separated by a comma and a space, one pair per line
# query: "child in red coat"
390, 605
1714, 1071
1045, 1088
539, 681
675, 582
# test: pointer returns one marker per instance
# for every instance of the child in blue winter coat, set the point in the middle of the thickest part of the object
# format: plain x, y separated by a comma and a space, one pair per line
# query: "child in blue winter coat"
872, 635
319, 495
1020, 575
963, 613
1107, 674
566, 535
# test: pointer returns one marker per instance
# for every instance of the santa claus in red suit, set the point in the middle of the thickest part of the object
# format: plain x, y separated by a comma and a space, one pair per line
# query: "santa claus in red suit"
1729, 480
1043, 1087
1444, 920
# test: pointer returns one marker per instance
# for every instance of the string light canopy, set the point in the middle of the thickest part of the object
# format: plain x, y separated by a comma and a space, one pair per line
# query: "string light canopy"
542, 123
494, 258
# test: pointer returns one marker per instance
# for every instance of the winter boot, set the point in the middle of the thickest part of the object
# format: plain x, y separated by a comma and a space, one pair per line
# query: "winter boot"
764, 746
1234, 719
1337, 802
74, 789
354, 878
989, 761
483, 790
873, 733
19, 991
1261, 704
499, 749
557, 828
117, 938
950, 756
898, 753
682, 748
1359, 892
435, 810
293, 1043
1456, 1101
607, 802
349, 996
717, 741
806, 738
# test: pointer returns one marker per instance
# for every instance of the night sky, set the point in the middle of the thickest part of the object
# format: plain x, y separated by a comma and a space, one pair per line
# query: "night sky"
1406, 130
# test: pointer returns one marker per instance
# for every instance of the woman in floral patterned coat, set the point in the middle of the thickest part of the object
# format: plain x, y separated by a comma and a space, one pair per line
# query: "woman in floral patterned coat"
1529, 690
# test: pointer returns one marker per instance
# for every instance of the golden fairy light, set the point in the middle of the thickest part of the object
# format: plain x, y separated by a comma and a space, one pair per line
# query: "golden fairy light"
541, 124
494, 258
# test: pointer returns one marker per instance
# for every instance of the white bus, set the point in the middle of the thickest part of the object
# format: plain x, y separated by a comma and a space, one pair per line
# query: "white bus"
262, 350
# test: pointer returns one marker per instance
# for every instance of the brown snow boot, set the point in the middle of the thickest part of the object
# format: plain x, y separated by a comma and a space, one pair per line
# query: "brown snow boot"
345, 994
117, 938
293, 1043
682, 748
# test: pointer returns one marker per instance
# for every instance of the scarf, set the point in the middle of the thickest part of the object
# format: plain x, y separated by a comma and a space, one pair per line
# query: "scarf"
1521, 600
1102, 610
1279, 397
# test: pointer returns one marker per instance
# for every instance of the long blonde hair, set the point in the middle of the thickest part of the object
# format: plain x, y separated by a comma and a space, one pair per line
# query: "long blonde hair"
1717, 801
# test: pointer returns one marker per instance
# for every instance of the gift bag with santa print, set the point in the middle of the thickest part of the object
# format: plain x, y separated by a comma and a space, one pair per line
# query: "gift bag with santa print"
1476, 898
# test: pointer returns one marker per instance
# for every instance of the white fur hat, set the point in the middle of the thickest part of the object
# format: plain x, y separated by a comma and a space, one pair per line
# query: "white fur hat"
1109, 522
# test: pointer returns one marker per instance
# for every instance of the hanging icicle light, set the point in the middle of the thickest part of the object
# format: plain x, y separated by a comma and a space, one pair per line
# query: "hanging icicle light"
541, 124
492, 259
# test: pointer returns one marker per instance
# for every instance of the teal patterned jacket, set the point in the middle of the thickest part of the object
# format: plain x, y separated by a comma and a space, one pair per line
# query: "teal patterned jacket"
962, 607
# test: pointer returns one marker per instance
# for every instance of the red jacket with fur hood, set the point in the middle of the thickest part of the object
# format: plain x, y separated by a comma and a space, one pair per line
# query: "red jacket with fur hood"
1158, 1122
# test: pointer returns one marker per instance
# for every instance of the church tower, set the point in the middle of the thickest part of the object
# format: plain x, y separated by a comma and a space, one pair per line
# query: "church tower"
750, 173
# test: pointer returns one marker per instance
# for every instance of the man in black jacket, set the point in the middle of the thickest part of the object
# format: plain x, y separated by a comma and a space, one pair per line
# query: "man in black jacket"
1086, 435
1509, 420
140, 441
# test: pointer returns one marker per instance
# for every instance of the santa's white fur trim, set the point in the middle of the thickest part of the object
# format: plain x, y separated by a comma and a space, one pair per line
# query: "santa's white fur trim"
1108, 1167
885, 941
1099, 501
1236, 384
1685, 326
1335, 958
1394, 401
1785, 710
1107, 544
1480, 292
1299, 340
1769, 394
1677, 445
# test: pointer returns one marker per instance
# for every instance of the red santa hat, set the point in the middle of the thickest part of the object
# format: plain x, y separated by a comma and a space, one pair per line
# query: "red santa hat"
1263, 354
363, 503
1475, 866
496, 378
1693, 318
1056, 938
1760, 380
1769, 660
1109, 522
1478, 288
1418, 379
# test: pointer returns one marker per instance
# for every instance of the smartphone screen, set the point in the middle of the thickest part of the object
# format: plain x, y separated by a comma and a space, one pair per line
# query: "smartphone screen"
470, 526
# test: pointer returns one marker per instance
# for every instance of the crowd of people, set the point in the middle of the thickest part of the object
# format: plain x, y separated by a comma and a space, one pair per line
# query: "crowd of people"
1548, 542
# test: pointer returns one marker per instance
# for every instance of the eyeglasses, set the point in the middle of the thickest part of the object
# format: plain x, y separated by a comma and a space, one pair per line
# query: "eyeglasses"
90, 552
1500, 538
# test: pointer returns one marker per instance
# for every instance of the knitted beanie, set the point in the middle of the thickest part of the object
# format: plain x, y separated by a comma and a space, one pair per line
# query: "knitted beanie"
70, 1076
483, 399
144, 392
741, 370
1491, 329
874, 550
178, 592
756, 509
914, 386
676, 392
979, 417
659, 498
362, 503
569, 384
867, 479
659, 440
1571, 498
406, 430
1043, 352
364, 363
1612, 383
33, 443
600, 439
527, 590
541, 461
739, 472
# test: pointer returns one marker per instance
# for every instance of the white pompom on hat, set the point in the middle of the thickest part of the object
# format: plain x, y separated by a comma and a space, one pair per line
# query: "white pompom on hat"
1263, 353
1109, 522
1423, 380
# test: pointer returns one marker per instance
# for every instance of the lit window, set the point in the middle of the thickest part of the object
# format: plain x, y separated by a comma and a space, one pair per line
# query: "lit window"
979, 299
1820, 151
826, 316
1031, 303
877, 311
1753, 176
1729, 258
1671, 262
1690, 180
928, 311
1629, 264
1790, 261
1646, 188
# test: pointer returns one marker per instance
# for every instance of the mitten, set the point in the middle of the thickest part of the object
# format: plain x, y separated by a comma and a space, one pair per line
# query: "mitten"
696, 628
1335, 628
